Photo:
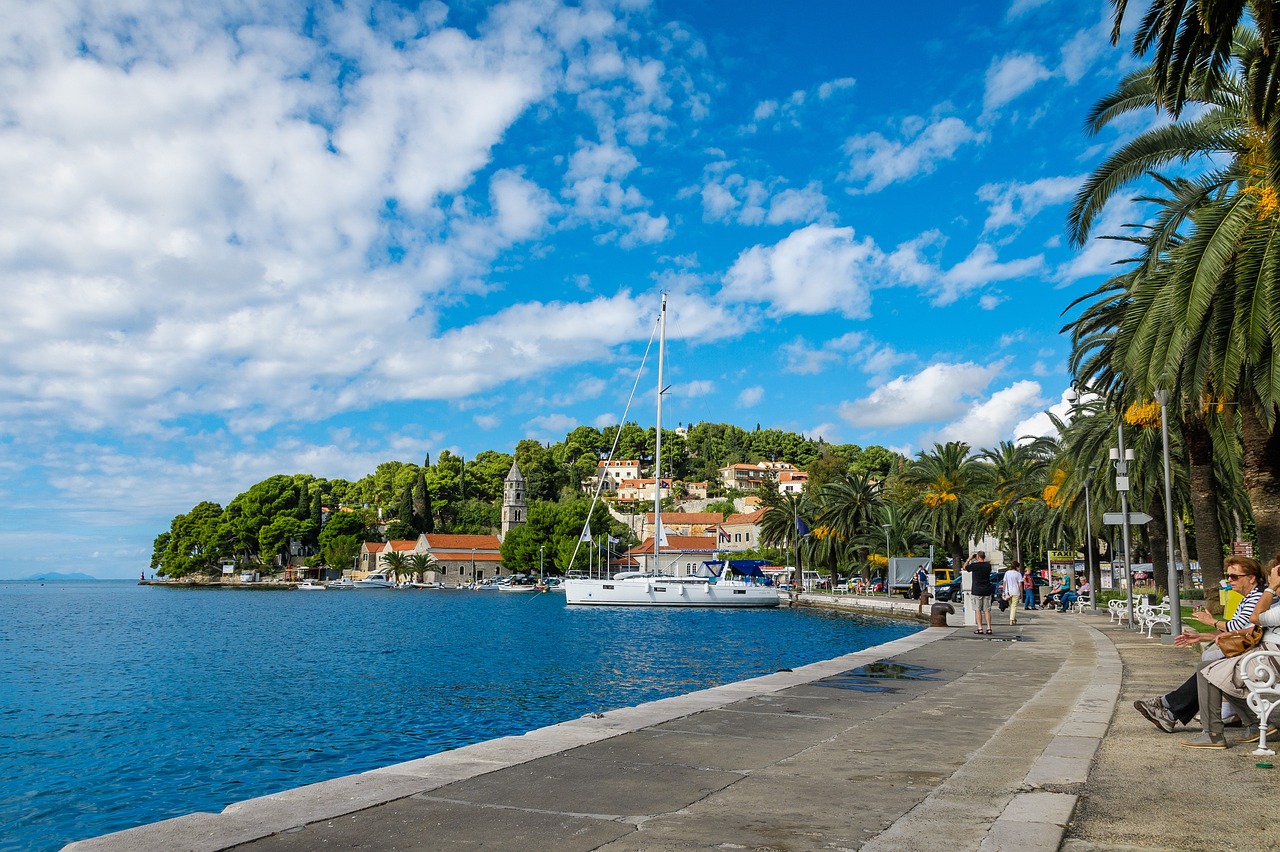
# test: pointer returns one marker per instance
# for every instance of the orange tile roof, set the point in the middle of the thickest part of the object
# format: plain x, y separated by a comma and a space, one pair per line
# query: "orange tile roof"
402, 544
374, 546
462, 542
748, 518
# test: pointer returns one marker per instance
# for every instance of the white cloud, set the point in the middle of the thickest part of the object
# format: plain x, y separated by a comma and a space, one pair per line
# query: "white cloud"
550, 426
989, 421
879, 161
487, 422
750, 396
938, 392
831, 87
810, 271
1012, 205
701, 387
1010, 76
1018, 8
982, 267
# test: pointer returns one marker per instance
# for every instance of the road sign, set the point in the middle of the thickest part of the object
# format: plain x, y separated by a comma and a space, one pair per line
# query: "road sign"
1135, 518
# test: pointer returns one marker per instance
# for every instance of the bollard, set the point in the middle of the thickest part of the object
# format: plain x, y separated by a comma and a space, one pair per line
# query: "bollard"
938, 614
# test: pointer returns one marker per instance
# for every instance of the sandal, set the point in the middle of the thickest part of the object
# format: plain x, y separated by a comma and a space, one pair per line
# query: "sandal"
977, 633
988, 632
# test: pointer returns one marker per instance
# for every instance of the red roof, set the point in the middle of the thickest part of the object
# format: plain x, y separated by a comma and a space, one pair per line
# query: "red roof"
688, 517
749, 518
462, 542
456, 556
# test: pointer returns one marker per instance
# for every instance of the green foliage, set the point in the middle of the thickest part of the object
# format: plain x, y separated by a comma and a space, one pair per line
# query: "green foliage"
340, 551
477, 517
556, 527
358, 524
398, 530
724, 507
194, 544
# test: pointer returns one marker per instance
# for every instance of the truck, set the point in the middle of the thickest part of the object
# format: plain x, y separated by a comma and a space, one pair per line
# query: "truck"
902, 569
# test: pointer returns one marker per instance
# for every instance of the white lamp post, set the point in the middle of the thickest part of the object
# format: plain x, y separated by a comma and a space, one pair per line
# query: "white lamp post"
1088, 550
1175, 604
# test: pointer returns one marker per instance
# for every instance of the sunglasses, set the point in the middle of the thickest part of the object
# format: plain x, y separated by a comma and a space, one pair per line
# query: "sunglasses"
1237, 576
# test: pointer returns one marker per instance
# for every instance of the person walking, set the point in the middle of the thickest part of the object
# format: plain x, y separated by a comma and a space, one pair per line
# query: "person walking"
1011, 590
980, 589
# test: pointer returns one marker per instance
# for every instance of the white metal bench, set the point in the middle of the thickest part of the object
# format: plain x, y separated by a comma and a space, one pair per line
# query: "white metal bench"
1081, 604
1119, 611
1260, 671
1150, 616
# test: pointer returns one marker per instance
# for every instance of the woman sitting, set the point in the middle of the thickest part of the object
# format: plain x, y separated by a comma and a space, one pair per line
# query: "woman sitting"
1219, 679
1182, 704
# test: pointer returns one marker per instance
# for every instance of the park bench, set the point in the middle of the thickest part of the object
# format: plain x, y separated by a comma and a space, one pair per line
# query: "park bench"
1081, 604
1259, 670
1150, 616
1118, 610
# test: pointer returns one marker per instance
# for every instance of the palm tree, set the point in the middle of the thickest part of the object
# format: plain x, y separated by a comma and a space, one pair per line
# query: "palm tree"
1016, 477
397, 563
784, 524
846, 508
420, 564
949, 482
1193, 48
1201, 306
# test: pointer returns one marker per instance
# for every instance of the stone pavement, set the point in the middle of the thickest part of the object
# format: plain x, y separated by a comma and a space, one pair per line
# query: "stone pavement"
940, 739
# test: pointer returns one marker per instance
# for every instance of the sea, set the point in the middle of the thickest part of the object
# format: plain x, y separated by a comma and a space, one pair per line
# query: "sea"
123, 704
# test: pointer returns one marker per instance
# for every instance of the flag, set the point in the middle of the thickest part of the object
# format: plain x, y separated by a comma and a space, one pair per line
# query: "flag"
586, 533
661, 536
801, 527
724, 536
612, 540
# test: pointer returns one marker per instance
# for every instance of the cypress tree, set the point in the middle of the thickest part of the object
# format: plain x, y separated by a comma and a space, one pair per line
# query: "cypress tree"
405, 509
423, 516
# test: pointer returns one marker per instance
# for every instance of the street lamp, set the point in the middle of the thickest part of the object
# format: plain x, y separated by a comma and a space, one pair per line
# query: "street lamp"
886, 559
540, 572
1017, 539
1175, 604
1088, 549
1120, 458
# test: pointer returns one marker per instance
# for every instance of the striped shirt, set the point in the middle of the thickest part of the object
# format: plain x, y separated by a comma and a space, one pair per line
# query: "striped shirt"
1244, 612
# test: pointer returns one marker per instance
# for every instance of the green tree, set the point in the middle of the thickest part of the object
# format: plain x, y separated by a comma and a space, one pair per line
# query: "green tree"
398, 530
949, 482
195, 543
340, 552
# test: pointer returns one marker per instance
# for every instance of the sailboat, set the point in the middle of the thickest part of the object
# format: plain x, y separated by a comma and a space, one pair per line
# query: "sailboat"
661, 587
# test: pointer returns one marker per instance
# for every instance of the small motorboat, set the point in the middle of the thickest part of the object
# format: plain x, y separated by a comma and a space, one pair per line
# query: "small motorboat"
310, 585
375, 581
338, 585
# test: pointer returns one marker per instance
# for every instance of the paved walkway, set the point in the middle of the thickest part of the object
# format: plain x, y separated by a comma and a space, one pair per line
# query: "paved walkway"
1020, 741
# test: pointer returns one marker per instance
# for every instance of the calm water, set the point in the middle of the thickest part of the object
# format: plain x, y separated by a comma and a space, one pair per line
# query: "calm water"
122, 705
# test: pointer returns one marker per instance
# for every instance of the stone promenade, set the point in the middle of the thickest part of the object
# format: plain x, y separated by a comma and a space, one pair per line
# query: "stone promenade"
1025, 740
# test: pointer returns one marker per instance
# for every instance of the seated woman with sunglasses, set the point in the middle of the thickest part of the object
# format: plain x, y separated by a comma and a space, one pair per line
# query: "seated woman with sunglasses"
1182, 704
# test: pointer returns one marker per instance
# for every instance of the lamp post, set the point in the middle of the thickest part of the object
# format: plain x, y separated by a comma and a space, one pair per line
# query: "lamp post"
1175, 604
1120, 458
886, 559
1088, 549
1017, 539
540, 549
473, 566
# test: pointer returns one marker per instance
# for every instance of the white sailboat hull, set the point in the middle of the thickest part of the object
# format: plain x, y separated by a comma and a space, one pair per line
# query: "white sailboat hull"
669, 591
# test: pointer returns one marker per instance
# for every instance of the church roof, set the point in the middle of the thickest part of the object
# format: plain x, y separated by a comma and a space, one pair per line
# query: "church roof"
514, 475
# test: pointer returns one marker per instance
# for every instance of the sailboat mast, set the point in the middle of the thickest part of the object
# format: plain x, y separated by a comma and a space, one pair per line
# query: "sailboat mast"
657, 452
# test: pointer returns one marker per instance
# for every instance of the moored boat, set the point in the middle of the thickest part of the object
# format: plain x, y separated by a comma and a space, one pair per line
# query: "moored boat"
310, 585
341, 584
375, 581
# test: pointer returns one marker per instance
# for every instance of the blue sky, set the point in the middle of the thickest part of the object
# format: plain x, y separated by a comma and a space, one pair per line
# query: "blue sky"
246, 239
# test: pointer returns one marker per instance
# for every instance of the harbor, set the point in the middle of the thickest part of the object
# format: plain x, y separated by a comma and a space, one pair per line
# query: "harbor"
1019, 741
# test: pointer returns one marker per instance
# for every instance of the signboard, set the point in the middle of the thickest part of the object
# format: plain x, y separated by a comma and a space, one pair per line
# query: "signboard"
1242, 548
1106, 578
1061, 562
1135, 518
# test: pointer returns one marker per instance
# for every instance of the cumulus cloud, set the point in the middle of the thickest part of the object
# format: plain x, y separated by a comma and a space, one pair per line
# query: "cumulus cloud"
938, 392
810, 271
915, 262
750, 396
1012, 205
989, 421
876, 161
1010, 76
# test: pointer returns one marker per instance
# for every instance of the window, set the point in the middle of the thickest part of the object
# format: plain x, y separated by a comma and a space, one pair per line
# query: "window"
748, 535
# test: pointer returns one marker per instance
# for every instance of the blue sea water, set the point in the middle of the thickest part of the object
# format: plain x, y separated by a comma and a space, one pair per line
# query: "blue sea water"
122, 705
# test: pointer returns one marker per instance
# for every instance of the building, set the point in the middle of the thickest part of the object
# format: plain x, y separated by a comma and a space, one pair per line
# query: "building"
632, 490
515, 507
741, 531
684, 523
749, 477
458, 559
613, 473
682, 555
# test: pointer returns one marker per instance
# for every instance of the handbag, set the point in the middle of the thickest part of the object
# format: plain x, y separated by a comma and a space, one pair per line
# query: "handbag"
1238, 642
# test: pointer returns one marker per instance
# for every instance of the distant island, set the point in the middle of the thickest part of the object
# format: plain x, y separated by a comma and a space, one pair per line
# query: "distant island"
58, 576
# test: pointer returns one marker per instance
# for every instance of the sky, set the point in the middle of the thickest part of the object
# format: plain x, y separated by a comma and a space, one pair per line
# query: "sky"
247, 238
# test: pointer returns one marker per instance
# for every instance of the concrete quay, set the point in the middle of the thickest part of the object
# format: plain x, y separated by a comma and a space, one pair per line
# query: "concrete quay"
1024, 740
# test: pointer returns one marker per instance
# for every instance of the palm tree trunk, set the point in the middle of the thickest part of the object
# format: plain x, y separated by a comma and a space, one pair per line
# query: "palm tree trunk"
1204, 505
1261, 468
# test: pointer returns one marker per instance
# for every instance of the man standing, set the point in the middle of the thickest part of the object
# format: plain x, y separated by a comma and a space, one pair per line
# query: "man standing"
980, 589
1012, 590
921, 582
